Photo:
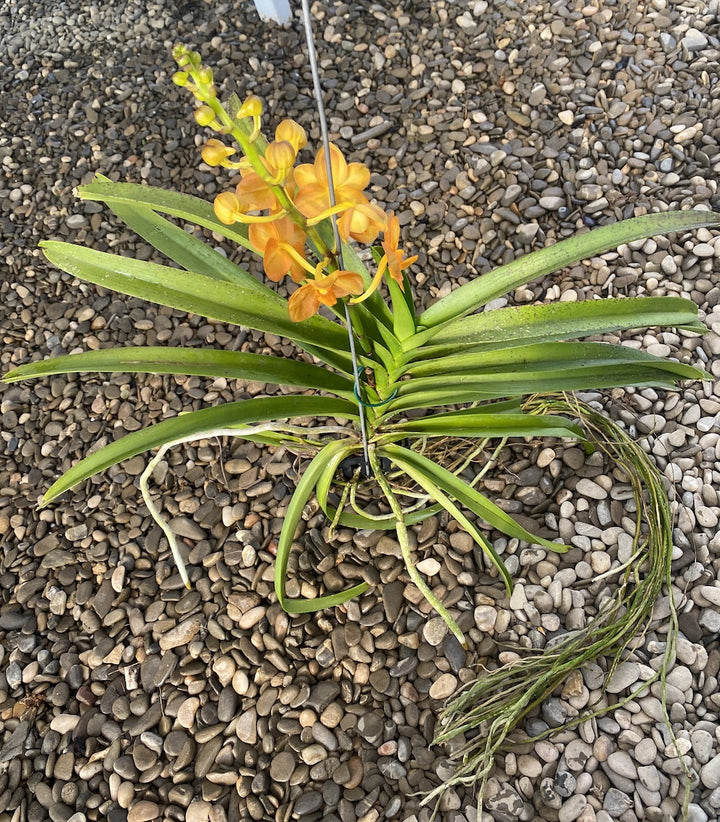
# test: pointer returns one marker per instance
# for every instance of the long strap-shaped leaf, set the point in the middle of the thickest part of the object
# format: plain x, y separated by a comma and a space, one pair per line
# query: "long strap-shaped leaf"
206, 419
188, 251
304, 489
185, 206
469, 423
495, 283
507, 327
422, 469
431, 487
428, 393
556, 356
351, 519
202, 362
192, 292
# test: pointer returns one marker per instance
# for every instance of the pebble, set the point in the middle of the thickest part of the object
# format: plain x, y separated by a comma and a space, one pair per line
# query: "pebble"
572, 808
710, 773
198, 811
282, 766
615, 803
143, 811
621, 763
625, 675
443, 687
434, 631
181, 634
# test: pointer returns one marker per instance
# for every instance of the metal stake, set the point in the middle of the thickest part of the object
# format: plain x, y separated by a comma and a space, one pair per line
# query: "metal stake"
312, 56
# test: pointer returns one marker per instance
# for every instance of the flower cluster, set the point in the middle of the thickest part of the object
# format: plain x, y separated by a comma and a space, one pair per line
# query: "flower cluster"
283, 203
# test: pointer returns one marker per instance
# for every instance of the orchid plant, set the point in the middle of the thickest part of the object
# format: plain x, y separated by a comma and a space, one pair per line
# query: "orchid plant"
388, 379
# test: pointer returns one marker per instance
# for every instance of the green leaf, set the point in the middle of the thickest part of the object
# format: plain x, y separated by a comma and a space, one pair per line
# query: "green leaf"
229, 415
587, 379
495, 283
508, 327
431, 487
469, 423
184, 249
201, 362
184, 206
304, 490
402, 309
421, 469
351, 519
505, 381
517, 362
188, 291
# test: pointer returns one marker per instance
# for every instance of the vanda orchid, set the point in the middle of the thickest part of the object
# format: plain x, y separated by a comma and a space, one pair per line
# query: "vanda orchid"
421, 376
404, 400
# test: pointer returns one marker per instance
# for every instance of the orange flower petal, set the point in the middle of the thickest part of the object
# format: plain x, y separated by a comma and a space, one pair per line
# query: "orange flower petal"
347, 282
276, 262
311, 199
303, 303
259, 234
357, 176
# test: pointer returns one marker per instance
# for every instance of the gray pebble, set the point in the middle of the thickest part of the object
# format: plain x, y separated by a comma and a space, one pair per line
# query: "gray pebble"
615, 803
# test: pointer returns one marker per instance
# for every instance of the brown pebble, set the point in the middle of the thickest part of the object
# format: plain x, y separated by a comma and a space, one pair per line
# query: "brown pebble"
143, 811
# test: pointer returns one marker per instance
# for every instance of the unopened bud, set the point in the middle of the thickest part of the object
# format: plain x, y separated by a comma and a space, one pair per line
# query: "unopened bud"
252, 107
180, 54
280, 157
204, 116
180, 78
227, 206
205, 76
293, 133
214, 152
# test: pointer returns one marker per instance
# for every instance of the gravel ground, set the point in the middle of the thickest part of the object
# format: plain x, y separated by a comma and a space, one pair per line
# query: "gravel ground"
492, 129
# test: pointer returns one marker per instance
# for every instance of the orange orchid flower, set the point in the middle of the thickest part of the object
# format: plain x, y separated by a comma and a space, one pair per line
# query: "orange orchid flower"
282, 246
392, 260
359, 218
254, 194
394, 255
322, 291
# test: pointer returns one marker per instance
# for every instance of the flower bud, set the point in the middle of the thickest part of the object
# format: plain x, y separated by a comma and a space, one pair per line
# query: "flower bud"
280, 158
227, 206
215, 152
293, 133
180, 78
252, 107
204, 116
180, 54
205, 76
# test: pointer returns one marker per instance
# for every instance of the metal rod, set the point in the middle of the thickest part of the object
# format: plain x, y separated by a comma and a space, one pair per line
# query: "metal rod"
312, 56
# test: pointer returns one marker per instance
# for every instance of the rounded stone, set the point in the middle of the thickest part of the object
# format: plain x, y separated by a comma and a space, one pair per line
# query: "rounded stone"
144, 811
198, 811
443, 687
282, 767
